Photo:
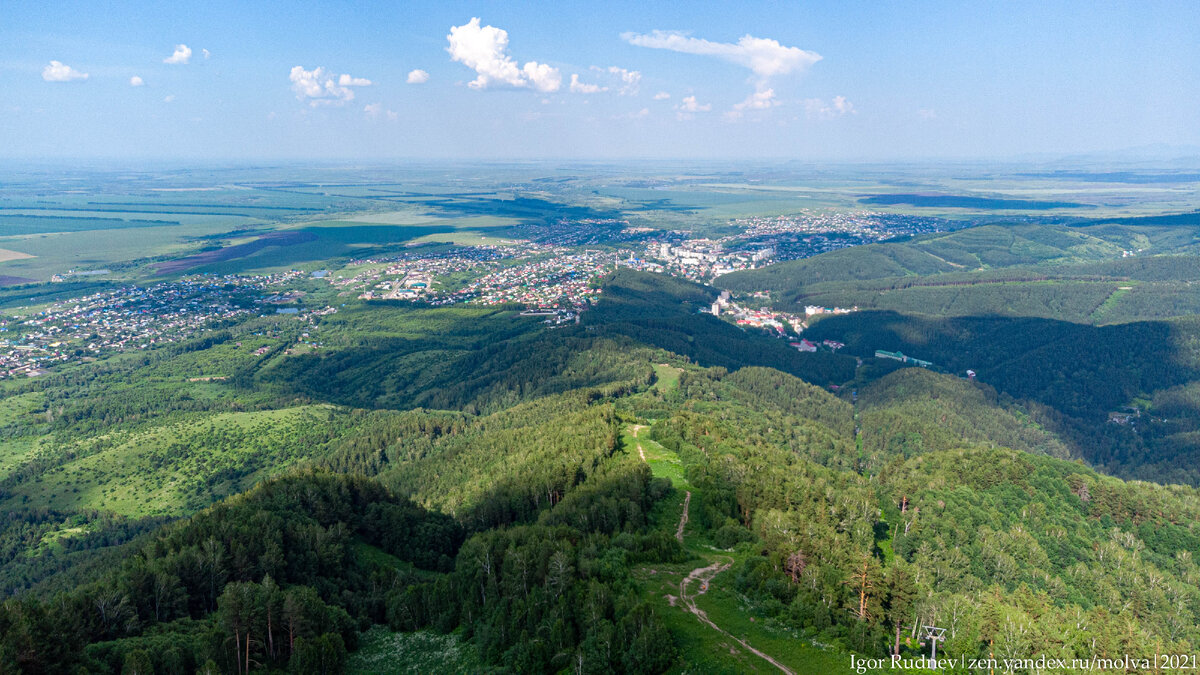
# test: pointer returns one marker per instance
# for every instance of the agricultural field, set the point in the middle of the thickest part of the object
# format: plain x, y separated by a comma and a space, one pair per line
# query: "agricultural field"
146, 224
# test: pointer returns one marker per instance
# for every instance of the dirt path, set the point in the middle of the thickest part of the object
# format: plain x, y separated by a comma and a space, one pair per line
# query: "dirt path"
704, 575
634, 428
683, 517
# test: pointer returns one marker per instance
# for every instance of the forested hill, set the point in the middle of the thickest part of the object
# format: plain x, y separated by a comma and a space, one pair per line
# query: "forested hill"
989, 246
1097, 272
418, 494
1122, 397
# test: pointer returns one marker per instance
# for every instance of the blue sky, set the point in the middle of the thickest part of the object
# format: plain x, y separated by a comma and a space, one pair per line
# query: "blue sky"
747, 80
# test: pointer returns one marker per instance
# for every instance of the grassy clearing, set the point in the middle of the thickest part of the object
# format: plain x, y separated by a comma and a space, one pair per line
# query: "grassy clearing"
663, 463
704, 650
733, 613
1110, 302
382, 652
13, 408
666, 378
14, 451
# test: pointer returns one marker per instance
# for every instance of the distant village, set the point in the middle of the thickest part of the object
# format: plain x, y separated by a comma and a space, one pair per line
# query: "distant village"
552, 274
538, 276
130, 318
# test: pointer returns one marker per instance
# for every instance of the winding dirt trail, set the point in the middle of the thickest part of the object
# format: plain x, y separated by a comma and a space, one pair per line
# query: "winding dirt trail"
704, 575
683, 517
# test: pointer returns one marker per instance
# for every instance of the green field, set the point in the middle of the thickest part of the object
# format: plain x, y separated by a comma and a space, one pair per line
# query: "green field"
663, 463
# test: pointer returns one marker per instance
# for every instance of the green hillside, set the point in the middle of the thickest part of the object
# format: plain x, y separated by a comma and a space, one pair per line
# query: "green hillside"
1081, 273
652, 490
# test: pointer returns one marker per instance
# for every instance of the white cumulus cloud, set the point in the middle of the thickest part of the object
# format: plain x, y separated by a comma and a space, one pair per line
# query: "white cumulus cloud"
321, 87
58, 71
760, 100
630, 79
661, 96
484, 49
136, 81
207, 54
578, 87
763, 56
375, 110
543, 77
837, 107
689, 104
180, 56
418, 76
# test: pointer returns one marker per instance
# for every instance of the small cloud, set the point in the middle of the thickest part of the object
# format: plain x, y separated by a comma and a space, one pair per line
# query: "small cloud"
630, 79
136, 81
180, 56
392, 115
764, 57
578, 87
624, 81
484, 49
168, 98
418, 76
927, 114
320, 87
661, 96
759, 100
838, 107
58, 71
207, 54
374, 110
688, 106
